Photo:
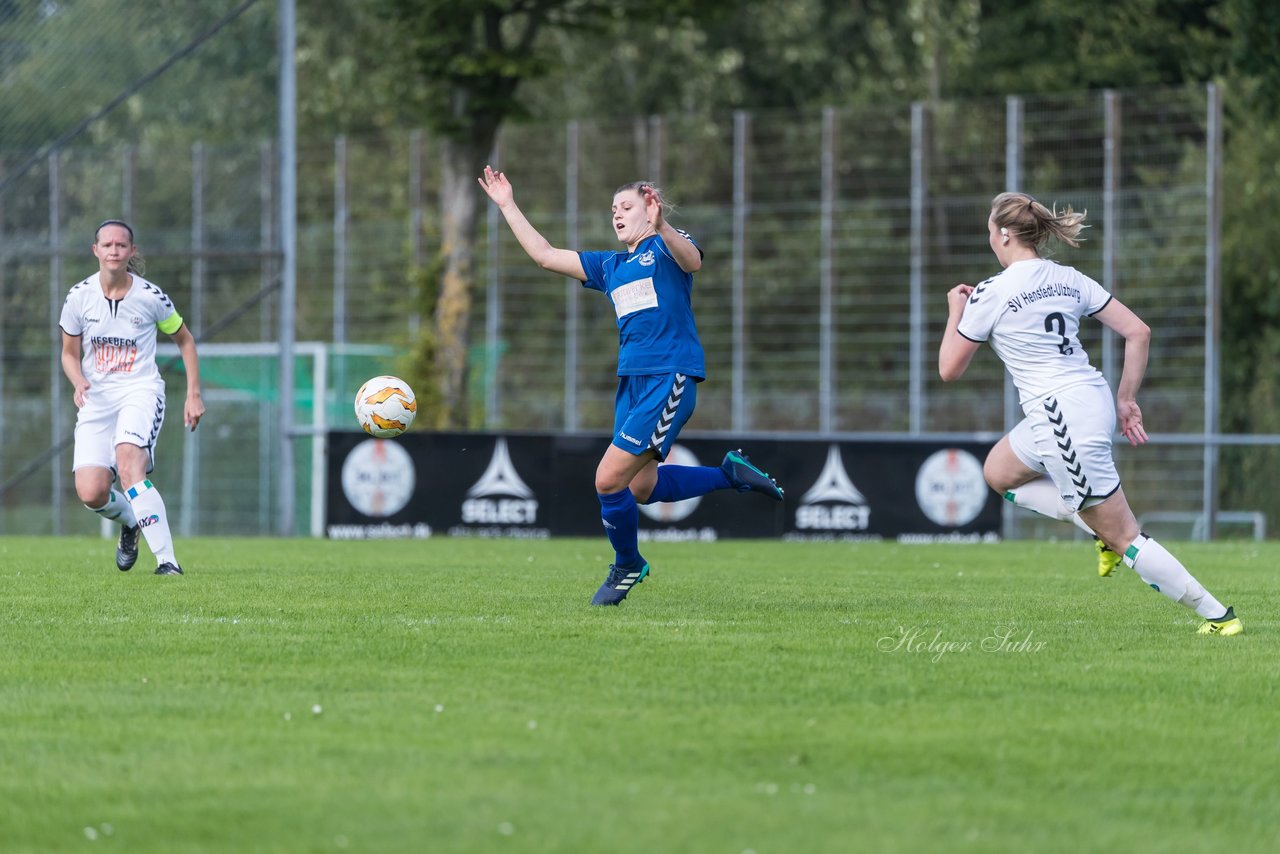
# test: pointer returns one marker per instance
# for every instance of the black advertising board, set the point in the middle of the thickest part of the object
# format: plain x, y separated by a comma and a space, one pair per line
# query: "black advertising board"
541, 485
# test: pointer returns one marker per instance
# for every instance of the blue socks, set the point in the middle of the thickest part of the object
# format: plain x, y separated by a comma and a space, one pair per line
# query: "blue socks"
676, 483
621, 517
621, 520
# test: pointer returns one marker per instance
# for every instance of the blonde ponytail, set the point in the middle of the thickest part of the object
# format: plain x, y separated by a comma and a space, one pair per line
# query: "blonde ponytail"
1033, 224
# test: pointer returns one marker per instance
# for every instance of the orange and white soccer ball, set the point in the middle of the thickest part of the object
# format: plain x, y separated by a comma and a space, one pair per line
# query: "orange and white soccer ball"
385, 407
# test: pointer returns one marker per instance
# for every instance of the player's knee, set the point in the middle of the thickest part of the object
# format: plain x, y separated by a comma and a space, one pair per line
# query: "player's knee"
994, 477
609, 484
1119, 539
92, 496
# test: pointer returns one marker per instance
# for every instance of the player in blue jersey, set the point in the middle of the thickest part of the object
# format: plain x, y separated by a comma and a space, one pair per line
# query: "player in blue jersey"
660, 364
1058, 461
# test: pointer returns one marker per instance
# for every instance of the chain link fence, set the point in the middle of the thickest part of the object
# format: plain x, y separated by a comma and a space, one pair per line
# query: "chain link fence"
830, 240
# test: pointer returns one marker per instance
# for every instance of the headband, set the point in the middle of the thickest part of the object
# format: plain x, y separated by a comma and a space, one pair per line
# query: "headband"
107, 222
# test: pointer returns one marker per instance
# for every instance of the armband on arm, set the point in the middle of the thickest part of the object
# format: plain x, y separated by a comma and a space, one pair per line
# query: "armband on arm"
170, 324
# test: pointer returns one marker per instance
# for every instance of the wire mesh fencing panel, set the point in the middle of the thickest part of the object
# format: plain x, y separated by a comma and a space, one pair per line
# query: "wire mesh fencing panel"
830, 240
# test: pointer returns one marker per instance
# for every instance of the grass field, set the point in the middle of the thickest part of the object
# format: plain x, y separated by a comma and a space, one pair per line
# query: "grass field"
455, 695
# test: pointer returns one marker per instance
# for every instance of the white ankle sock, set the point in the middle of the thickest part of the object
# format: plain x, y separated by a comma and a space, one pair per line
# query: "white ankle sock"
1041, 496
116, 509
148, 507
1166, 574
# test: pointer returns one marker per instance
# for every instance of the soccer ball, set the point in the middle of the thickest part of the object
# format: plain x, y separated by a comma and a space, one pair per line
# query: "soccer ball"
385, 407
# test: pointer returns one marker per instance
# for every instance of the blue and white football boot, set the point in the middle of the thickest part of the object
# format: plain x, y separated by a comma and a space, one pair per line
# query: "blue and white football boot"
619, 582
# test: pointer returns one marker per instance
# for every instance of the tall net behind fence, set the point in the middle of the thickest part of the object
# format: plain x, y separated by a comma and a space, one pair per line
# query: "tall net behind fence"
152, 113
830, 240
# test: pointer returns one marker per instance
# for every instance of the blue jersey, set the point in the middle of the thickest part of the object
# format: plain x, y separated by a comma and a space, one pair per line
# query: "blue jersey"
653, 299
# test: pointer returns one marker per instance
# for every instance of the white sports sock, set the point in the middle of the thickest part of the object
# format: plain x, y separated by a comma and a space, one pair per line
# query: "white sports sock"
1041, 496
116, 509
1166, 574
148, 507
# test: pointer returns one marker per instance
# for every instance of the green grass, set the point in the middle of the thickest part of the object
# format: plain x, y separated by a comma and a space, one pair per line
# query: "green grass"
741, 699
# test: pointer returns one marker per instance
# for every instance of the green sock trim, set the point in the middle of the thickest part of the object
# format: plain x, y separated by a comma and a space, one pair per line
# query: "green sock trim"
1008, 496
1131, 553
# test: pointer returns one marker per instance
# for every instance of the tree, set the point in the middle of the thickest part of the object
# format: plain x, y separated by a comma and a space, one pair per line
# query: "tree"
467, 60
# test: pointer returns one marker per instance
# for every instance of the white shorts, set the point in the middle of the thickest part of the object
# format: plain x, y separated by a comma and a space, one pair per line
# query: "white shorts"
127, 416
1067, 436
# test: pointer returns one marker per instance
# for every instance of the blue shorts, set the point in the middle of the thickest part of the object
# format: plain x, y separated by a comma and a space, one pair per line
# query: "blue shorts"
649, 411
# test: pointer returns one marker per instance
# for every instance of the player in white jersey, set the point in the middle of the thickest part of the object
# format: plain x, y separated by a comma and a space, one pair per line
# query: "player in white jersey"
109, 324
1058, 460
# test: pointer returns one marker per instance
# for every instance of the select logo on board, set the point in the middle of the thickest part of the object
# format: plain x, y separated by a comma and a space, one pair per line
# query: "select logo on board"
833, 504
500, 503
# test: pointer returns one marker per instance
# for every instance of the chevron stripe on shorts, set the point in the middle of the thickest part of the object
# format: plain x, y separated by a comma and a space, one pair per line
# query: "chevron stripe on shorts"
668, 416
1061, 434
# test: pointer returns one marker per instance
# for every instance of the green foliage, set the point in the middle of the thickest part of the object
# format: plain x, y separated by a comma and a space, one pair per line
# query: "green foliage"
467, 58
464, 67
60, 62
755, 55
1065, 45
1251, 297
418, 364
1254, 51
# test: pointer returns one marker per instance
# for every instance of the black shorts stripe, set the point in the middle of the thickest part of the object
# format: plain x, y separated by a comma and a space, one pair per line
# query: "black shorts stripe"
1066, 449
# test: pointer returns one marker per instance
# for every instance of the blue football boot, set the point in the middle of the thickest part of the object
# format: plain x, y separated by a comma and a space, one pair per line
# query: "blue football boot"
747, 478
619, 582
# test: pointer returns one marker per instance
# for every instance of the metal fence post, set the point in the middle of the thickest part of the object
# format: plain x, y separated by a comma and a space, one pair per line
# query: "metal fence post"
341, 236
741, 127
191, 440
319, 440
571, 286
493, 307
416, 213
1012, 184
341, 218
128, 180
826, 313
654, 172
56, 380
1110, 219
266, 231
288, 117
3, 264
1212, 303
267, 242
919, 198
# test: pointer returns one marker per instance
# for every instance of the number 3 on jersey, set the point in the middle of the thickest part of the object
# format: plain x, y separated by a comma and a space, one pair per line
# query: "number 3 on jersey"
1057, 324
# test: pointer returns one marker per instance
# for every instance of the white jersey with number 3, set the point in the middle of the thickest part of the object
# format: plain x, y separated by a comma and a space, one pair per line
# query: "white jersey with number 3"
118, 337
1031, 315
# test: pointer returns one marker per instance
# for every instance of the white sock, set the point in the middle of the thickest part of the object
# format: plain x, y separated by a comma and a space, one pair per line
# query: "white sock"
148, 508
1161, 570
116, 509
1041, 496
